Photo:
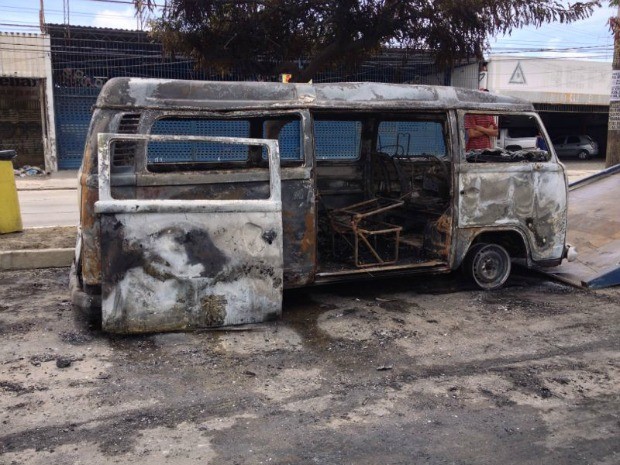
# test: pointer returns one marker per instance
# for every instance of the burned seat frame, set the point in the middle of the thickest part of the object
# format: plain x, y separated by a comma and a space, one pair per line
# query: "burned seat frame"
360, 227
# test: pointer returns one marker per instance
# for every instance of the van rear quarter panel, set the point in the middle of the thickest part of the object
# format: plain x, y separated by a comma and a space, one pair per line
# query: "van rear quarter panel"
90, 253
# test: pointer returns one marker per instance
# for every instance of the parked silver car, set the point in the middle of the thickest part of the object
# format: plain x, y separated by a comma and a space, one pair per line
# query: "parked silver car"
583, 147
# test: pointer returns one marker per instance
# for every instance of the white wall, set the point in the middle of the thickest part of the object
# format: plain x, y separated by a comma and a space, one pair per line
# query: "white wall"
24, 55
554, 81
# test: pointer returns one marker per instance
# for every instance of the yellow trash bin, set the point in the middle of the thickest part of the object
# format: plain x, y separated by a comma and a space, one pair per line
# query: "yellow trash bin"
10, 215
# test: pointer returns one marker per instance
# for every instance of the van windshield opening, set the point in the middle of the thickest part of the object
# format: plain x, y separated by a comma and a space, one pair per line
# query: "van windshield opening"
501, 138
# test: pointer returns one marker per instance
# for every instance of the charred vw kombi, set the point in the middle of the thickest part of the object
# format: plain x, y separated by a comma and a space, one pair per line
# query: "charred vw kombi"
202, 201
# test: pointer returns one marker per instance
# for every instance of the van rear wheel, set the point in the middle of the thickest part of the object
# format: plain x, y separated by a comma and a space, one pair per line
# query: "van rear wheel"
488, 265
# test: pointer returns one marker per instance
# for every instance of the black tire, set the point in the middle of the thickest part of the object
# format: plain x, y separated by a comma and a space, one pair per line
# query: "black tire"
467, 262
583, 155
87, 307
488, 265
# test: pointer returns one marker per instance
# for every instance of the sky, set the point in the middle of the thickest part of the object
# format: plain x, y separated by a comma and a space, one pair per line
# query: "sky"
589, 39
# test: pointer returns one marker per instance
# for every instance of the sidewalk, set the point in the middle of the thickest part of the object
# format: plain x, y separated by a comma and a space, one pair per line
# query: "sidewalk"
55, 181
49, 211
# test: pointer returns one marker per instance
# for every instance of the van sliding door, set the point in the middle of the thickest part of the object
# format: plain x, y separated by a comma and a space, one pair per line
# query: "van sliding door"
183, 264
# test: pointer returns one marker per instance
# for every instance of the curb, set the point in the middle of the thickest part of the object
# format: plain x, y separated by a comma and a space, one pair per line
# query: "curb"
19, 189
29, 259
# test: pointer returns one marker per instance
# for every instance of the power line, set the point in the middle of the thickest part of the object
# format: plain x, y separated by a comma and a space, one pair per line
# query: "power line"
73, 13
20, 25
124, 2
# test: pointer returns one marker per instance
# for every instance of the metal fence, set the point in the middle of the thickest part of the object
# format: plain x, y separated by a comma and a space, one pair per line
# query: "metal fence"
84, 58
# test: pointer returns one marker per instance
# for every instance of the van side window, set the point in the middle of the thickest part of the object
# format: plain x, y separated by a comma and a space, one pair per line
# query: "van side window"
411, 138
189, 151
337, 140
289, 138
504, 138
193, 155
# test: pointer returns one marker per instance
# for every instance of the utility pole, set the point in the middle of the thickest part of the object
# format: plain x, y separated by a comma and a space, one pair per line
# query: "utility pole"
613, 126
41, 16
65, 12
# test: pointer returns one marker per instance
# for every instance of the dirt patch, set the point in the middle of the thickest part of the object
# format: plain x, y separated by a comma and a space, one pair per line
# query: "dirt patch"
58, 237
525, 375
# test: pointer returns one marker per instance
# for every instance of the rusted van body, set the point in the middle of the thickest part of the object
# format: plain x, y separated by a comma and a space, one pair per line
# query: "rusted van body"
201, 201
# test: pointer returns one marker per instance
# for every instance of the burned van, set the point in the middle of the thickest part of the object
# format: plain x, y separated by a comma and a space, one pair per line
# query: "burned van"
202, 201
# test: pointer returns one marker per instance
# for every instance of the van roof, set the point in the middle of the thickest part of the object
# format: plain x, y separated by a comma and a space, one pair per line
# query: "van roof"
139, 93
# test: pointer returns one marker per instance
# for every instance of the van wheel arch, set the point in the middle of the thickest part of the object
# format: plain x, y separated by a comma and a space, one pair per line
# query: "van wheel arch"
513, 241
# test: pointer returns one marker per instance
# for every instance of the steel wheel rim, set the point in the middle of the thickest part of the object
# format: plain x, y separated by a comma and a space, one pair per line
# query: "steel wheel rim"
490, 267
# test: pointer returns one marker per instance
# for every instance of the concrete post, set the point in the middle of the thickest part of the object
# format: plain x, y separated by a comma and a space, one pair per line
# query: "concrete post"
613, 127
51, 154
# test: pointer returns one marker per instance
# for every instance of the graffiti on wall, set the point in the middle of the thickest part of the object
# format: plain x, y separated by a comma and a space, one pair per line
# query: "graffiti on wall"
74, 77
18, 81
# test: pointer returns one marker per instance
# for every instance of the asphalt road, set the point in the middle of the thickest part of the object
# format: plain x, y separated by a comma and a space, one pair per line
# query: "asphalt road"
43, 207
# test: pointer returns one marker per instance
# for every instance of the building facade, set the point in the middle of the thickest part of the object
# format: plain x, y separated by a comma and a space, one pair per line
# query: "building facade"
571, 96
26, 104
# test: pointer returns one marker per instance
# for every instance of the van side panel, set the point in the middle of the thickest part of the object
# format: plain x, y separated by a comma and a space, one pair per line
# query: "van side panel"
529, 198
173, 264
299, 231
549, 225
298, 213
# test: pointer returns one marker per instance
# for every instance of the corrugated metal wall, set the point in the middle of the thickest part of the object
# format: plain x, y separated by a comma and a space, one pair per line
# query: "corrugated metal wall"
22, 73
466, 76
20, 120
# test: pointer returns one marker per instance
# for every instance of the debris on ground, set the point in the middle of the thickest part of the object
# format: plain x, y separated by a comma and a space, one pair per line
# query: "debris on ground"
28, 170
63, 362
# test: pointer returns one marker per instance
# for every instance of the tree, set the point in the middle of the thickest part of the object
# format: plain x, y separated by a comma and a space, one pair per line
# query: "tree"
252, 34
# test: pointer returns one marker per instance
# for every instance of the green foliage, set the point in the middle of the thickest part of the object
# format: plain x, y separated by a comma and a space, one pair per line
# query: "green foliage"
252, 33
